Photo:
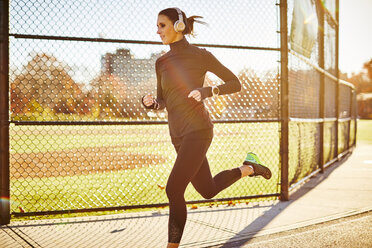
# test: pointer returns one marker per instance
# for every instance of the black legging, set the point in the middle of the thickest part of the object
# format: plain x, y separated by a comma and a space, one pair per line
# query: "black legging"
192, 166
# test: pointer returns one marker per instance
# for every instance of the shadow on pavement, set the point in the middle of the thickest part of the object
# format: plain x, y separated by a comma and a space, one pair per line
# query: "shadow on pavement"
224, 226
261, 222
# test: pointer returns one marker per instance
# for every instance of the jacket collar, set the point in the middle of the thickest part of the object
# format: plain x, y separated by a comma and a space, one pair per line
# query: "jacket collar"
179, 45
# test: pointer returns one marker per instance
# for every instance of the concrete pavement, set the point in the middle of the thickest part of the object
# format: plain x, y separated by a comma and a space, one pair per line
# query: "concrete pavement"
345, 189
347, 232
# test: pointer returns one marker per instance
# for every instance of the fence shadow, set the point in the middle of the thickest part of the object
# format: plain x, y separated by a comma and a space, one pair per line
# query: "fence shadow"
129, 229
246, 234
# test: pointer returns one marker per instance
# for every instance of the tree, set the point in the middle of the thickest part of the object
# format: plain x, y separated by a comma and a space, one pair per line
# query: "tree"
44, 82
363, 85
109, 93
363, 80
368, 67
258, 97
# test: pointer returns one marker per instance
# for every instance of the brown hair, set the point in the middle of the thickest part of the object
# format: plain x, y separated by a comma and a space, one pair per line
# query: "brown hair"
172, 14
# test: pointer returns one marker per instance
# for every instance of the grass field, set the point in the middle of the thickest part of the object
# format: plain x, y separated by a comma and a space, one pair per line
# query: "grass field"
78, 167
106, 166
364, 131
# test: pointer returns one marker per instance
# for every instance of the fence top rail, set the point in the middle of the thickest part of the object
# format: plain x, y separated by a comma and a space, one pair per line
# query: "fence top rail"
347, 84
144, 122
144, 42
319, 120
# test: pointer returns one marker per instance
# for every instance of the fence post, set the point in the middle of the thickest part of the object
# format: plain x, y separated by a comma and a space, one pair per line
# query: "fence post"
355, 106
321, 86
284, 196
338, 78
351, 117
4, 113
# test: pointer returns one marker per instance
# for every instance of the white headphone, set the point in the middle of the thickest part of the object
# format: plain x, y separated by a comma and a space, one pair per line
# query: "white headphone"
179, 25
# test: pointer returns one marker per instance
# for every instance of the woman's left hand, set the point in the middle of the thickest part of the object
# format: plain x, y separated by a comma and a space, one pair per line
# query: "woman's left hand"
196, 95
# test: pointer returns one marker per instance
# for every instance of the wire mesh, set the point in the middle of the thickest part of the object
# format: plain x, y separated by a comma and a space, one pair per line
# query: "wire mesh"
329, 141
304, 86
81, 167
304, 150
66, 83
345, 101
309, 118
343, 136
136, 20
312, 16
345, 113
304, 110
330, 101
330, 114
353, 123
330, 47
330, 7
80, 139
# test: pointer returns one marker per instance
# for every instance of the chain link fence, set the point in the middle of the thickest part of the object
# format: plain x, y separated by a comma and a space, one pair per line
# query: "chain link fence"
321, 107
80, 139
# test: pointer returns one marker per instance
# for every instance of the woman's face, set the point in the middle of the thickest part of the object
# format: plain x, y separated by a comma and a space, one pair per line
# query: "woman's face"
166, 31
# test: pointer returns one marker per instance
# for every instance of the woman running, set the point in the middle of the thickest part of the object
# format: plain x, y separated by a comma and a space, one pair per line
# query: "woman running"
180, 77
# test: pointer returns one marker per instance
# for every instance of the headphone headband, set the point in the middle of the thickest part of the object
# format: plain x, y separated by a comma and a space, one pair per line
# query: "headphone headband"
180, 16
179, 25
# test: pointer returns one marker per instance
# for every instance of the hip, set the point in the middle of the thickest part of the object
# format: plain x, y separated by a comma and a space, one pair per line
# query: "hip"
204, 135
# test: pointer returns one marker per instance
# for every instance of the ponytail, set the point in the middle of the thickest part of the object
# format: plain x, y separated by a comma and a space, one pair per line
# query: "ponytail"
190, 24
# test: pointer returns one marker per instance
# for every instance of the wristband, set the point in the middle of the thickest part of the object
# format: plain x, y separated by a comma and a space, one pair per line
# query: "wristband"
215, 91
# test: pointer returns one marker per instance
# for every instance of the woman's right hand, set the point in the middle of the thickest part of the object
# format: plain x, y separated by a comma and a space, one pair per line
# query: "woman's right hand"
148, 100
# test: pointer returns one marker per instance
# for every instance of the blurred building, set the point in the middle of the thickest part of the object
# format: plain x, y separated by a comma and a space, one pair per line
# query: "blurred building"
365, 105
136, 76
124, 65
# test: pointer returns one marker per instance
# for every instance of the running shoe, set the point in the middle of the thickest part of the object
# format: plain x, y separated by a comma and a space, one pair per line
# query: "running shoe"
259, 169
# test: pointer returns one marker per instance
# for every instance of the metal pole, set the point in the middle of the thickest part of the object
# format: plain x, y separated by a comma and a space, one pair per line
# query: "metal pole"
4, 113
322, 86
284, 196
355, 105
338, 79
351, 119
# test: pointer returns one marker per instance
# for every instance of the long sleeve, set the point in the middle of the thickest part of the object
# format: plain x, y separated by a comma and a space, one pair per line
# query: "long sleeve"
180, 71
159, 102
159, 90
231, 82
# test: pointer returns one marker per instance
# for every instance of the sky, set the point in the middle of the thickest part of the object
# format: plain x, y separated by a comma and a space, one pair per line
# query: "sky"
355, 44
253, 23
